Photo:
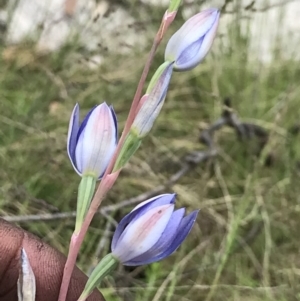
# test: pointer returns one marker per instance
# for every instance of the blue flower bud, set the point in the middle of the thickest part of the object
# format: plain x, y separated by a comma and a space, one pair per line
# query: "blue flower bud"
151, 231
153, 102
191, 43
92, 143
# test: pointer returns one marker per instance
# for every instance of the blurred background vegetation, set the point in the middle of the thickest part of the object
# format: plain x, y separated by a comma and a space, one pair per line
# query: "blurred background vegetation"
245, 244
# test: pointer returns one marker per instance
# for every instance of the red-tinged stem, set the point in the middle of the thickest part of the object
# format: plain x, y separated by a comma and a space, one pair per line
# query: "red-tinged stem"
76, 241
165, 23
107, 182
77, 238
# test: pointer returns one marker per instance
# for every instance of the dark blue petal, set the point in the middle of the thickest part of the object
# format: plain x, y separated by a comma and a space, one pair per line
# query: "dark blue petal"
139, 212
72, 135
115, 121
183, 230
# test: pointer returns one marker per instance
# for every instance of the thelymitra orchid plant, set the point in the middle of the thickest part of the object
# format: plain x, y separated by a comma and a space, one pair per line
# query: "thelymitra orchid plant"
154, 229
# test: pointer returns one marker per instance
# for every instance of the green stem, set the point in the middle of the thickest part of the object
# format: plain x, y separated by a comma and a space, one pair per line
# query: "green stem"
86, 191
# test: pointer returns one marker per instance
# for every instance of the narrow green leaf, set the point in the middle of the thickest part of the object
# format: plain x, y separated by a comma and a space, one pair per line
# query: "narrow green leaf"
104, 268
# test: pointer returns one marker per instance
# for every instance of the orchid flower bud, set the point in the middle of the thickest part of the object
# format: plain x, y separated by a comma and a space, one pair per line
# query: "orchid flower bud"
153, 102
151, 231
191, 43
92, 143
146, 113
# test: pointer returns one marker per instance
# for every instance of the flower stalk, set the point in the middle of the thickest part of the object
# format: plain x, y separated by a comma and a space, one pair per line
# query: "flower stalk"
104, 172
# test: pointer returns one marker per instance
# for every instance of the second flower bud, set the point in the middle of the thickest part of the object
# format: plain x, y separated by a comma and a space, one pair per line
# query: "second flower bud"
92, 143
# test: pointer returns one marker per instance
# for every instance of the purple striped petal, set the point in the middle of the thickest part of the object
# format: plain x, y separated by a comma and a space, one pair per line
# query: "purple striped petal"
164, 241
139, 211
183, 230
140, 235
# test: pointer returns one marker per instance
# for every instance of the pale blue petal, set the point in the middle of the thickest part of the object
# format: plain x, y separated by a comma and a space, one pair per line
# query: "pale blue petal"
207, 41
195, 53
183, 230
159, 200
84, 121
140, 235
188, 46
166, 238
190, 56
138, 212
150, 109
191, 31
97, 141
